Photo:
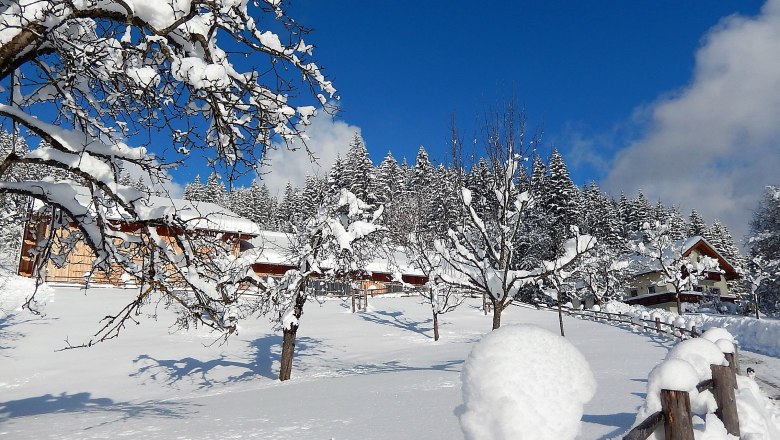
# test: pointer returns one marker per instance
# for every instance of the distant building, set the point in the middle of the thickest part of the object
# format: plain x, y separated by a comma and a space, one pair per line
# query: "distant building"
275, 250
648, 289
276, 256
198, 217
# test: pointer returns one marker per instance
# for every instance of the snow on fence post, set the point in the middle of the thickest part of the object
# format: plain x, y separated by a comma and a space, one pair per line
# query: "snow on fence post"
658, 324
678, 423
724, 382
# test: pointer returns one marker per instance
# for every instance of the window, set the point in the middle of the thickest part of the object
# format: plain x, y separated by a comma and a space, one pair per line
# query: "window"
715, 291
698, 289
651, 289
634, 292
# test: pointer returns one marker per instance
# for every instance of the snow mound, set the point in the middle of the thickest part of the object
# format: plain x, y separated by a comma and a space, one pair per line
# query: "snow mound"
524, 382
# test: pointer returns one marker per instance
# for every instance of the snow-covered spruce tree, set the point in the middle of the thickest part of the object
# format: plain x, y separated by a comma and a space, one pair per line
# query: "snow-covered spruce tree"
331, 245
562, 199
480, 254
764, 251
358, 170
103, 82
194, 190
696, 225
311, 197
289, 210
658, 251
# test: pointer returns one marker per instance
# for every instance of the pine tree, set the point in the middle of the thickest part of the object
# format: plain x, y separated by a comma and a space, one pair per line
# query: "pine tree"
764, 256
562, 198
195, 191
335, 178
358, 170
388, 183
678, 228
721, 239
311, 197
538, 180
288, 214
601, 219
266, 213
479, 182
696, 225
214, 191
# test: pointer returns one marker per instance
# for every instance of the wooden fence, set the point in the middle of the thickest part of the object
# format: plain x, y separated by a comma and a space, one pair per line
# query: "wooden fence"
676, 416
656, 325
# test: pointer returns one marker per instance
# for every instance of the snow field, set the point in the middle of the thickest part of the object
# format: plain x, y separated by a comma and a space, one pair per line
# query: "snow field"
373, 375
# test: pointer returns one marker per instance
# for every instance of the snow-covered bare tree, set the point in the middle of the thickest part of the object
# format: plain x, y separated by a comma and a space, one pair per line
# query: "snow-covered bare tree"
139, 86
480, 254
330, 245
602, 274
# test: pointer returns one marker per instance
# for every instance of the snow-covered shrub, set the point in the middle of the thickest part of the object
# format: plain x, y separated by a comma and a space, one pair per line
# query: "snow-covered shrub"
524, 382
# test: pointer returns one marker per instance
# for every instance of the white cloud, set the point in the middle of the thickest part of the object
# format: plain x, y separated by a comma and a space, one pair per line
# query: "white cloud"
715, 144
328, 138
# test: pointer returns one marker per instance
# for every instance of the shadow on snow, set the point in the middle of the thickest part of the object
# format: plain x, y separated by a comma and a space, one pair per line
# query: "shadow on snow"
397, 319
264, 362
84, 402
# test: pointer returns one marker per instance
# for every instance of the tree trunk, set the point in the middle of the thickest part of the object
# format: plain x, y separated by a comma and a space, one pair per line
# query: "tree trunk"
288, 341
484, 303
755, 295
435, 326
560, 315
497, 309
679, 304
288, 348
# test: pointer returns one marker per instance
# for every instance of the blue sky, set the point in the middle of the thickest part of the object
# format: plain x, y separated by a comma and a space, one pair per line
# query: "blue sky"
598, 76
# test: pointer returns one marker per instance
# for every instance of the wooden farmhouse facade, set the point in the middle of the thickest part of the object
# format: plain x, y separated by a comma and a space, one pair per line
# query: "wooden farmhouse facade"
202, 219
273, 258
648, 289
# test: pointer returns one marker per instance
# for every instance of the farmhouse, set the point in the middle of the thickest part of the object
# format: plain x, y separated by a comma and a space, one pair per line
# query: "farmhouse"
648, 288
198, 218
275, 256
274, 250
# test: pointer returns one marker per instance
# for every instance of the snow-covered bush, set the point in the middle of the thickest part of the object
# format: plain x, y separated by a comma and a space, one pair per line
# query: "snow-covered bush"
524, 382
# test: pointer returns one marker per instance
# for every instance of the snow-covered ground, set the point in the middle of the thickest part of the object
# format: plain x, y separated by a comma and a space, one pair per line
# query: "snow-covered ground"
370, 375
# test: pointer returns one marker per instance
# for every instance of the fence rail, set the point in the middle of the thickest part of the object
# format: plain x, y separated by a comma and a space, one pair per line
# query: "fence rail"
656, 325
676, 415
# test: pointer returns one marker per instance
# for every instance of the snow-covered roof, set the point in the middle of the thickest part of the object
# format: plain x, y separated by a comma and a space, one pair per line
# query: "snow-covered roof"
274, 247
196, 215
646, 264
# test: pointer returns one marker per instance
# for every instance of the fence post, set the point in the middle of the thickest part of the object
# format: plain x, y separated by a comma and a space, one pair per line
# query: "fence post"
658, 324
731, 358
677, 415
694, 334
724, 382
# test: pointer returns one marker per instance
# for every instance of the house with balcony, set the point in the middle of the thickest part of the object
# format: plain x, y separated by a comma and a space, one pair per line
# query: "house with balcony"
649, 288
